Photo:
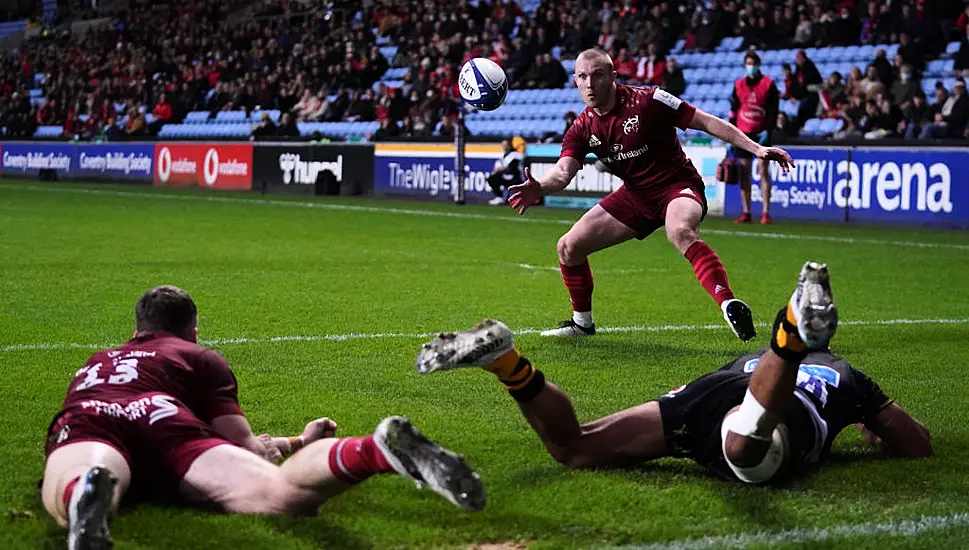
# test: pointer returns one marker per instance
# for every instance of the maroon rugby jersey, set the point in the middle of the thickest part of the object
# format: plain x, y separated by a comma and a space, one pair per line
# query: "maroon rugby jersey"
196, 376
636, 140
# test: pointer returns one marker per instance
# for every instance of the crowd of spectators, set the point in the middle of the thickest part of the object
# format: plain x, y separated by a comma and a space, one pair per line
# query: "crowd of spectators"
319, 62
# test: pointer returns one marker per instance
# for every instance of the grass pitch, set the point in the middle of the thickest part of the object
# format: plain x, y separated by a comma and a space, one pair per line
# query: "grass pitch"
74, 258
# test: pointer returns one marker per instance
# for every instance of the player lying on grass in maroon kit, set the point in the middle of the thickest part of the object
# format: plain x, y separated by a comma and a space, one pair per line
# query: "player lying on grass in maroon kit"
160, 415
760, 418
633, 133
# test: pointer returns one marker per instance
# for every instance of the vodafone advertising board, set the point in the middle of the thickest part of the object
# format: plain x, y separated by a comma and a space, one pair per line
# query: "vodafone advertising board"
208, 165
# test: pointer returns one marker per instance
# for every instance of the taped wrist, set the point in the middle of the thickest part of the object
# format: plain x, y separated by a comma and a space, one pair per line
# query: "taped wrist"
752, 419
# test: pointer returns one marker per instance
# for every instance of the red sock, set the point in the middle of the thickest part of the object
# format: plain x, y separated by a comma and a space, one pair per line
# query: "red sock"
354, 459
709, 270
69, 491
578, 279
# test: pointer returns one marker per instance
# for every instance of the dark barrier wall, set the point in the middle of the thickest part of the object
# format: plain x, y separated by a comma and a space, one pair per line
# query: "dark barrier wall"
296, 168
904, 186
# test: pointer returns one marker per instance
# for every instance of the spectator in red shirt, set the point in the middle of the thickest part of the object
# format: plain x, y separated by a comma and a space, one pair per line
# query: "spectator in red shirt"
48, 113
162, 113
651, 66
626, 65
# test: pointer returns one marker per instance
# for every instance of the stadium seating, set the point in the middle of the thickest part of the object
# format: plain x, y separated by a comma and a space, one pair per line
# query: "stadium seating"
532, 113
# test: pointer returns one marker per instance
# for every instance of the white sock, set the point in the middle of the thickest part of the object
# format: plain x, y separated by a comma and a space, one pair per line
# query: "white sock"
582, 318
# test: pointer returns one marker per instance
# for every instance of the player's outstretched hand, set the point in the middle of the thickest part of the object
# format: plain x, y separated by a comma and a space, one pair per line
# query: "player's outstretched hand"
525, 194
778, 155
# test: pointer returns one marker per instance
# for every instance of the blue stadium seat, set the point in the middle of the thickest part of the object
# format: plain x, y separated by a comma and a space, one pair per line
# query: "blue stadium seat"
951, 49
789, 108
389, 52
811, 127
678, 47
569, 65
196, 117
48, 131
230, 116
830, 126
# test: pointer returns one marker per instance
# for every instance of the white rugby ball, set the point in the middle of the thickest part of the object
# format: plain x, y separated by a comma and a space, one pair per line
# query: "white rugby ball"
483, 84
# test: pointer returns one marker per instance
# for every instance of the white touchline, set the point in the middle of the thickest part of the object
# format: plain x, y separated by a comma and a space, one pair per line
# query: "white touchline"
470, 216
405, 335
901, 528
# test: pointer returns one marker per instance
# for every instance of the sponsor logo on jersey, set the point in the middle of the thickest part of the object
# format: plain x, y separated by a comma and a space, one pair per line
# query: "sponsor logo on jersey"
617, 147
625, 155
594, 141
630, 125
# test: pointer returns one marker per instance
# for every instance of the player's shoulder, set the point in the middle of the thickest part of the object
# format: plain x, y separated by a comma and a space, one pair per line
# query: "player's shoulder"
171, 347
582, 120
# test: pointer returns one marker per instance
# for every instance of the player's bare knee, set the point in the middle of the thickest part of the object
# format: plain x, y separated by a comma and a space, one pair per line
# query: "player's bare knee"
568, 251
681, 236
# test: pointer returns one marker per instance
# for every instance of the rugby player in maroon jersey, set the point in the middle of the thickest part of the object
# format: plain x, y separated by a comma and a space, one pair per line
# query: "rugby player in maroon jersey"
160, 416
632, 131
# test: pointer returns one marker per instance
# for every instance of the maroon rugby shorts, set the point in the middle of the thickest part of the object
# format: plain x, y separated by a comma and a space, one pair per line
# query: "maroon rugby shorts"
644, 210
158, 436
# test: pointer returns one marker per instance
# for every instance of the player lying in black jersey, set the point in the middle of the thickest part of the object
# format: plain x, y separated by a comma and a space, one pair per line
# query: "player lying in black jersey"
759, 418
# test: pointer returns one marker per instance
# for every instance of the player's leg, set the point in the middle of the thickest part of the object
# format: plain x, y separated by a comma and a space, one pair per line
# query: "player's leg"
497, 182
745, 185
241, 482
807, 322
83, 484
765, 191
627, 437
683, 216
596, 229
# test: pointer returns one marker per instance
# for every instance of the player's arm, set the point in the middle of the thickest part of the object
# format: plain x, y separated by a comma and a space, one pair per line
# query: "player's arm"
282, 447
219, 398
531, 190
725, 131
894, 431
773, 107
235, 428
885, 424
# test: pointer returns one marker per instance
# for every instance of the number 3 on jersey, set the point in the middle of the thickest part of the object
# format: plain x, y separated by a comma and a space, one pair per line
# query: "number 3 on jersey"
124, 371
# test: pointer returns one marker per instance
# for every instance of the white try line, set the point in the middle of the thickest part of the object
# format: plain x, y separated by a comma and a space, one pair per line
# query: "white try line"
471, 216
903, 528
420, 335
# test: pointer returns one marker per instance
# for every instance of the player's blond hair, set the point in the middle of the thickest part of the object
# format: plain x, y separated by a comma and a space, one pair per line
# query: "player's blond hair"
596, 55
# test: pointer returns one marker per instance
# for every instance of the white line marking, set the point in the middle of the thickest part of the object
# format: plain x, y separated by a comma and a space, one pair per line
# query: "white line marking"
903, 528
618, 271
470, 216
824, 238
405, 335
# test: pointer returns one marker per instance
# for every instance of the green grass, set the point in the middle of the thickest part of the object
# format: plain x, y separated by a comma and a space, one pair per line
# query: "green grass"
73, 262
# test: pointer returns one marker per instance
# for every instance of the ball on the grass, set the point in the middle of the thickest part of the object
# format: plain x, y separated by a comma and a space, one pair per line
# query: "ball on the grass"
483, 84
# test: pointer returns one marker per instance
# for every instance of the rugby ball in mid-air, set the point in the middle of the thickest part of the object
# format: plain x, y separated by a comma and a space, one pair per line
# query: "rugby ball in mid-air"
483, 84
